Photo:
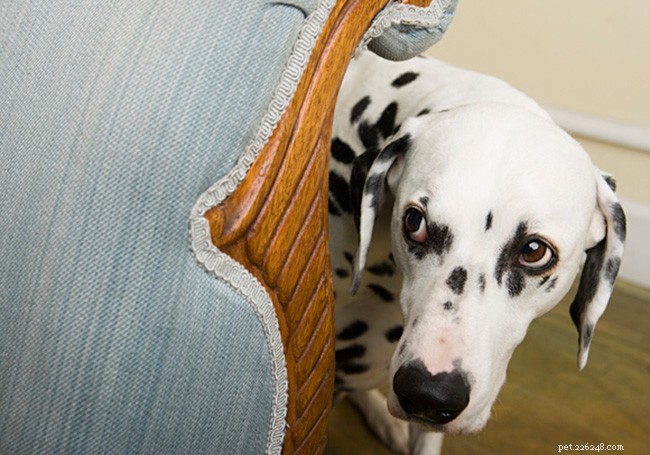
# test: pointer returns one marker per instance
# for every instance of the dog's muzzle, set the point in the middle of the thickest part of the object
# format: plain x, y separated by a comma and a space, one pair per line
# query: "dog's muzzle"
430, 399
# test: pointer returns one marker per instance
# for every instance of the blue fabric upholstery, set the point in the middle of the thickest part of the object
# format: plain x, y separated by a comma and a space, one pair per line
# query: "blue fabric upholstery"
115, 117
412, 29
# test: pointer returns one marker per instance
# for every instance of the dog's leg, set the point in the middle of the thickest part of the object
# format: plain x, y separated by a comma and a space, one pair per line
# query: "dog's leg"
372, 405
422, 442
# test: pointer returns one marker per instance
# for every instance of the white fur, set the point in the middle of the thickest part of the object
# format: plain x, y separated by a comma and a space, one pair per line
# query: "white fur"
485, 147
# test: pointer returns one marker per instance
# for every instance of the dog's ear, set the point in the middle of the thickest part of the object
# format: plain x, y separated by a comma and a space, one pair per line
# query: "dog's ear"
380, 174
601, 266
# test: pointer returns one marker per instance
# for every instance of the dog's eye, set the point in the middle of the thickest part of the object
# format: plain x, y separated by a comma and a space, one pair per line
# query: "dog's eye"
415, 225
536, 255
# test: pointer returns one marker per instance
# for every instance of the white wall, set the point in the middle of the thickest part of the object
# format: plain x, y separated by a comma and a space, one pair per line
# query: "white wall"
583, 56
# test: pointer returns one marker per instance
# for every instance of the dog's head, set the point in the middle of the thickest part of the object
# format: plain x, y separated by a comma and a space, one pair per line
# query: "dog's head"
495, 210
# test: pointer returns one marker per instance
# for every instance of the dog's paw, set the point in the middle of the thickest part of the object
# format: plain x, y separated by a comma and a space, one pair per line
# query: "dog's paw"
393, 432
422, 442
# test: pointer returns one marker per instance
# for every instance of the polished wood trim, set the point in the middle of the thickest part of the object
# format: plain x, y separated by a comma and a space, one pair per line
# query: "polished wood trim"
420, 3
275, 224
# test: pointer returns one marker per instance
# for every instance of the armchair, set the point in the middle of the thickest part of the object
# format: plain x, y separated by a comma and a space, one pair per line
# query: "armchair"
117, 120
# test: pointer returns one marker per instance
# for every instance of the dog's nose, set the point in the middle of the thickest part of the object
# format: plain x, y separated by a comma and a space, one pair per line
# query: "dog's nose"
437, 399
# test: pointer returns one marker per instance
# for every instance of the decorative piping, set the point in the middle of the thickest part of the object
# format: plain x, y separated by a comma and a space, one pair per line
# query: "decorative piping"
404, 14
223, 266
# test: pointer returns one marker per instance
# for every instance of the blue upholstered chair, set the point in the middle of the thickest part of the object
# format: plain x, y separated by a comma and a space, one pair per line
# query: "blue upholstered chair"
149, 298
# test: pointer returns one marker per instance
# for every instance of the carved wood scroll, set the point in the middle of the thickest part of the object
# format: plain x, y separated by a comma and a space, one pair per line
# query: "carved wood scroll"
275, 224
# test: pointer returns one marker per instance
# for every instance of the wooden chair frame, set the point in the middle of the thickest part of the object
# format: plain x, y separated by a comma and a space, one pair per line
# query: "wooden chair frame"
275, 224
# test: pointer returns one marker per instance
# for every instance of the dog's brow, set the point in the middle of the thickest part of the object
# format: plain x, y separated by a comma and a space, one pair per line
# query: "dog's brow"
509, 249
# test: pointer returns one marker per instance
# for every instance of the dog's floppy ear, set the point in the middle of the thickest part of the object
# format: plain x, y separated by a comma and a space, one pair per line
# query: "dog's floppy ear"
374, 190
601, 266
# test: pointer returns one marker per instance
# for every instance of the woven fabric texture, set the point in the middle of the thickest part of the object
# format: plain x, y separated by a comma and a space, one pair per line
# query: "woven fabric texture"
115, 117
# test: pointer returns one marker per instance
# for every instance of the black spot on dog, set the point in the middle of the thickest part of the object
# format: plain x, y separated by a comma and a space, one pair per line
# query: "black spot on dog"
611, 182
342, 152
382, 269
515, 283
375, 183
386, 122
332, 207
345, 355
424, 111
394, 334
348, 257
448, 305
482, 283
359, 108
374, 187
424, 200
620, 224
416, 321
381, 292
589, 281
543, 281
551, 284
340, 386
510, 251
440, 237
353, 367
346, 359
488, 222
404, 79
398, 147
611, 269
340, 191
439, 241
456, 280
369, 134
341, 273
586, 336
360, 168
352, 331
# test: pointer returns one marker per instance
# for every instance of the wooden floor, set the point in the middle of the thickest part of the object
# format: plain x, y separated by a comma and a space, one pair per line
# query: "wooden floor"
546, 401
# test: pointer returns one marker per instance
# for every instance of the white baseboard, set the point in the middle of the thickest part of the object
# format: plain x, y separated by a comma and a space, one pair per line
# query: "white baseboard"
635, 267
602, 129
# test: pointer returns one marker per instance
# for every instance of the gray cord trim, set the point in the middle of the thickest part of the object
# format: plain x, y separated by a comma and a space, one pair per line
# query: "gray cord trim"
223, 266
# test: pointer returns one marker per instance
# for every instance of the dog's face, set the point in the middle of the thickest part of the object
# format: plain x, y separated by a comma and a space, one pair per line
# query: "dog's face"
494, 209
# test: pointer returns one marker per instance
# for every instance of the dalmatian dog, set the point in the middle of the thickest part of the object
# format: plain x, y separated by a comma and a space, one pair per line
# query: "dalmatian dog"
459, 212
